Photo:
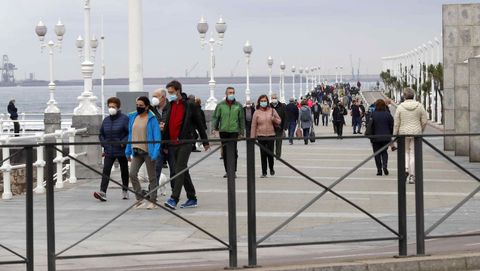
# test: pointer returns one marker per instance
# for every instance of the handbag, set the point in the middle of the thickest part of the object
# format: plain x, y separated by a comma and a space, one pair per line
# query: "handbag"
298, 132
312, 134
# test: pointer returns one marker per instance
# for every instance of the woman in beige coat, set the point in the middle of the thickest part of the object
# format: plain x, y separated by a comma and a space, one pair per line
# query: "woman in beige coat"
264, 121
410, 119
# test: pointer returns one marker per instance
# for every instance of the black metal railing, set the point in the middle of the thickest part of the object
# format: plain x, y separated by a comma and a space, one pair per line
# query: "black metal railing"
255, 242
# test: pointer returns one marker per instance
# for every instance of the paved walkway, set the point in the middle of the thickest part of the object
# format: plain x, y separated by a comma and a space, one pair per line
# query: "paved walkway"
78, 213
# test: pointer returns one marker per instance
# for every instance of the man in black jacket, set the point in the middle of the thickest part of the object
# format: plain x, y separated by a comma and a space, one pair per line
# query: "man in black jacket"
12, 110
280, 130
181, 117
291, 116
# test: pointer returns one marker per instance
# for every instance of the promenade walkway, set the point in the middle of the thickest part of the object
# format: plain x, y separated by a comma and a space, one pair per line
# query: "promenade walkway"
278, 197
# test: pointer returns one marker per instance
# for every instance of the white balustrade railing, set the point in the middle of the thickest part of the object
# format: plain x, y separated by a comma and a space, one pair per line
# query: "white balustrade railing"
29, 122
59, 136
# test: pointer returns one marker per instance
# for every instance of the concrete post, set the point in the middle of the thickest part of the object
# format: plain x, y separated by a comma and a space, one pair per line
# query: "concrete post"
461, 114
93, 155
135, 45
474, 109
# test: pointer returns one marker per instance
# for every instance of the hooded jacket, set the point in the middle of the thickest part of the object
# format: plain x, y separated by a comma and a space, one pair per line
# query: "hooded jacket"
410, 118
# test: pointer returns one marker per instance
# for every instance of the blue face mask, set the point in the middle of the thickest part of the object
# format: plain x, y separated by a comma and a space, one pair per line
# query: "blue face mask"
172, 97
263, 104
231, 97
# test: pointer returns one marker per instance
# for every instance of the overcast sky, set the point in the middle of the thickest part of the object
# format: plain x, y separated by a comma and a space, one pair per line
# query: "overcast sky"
301, 32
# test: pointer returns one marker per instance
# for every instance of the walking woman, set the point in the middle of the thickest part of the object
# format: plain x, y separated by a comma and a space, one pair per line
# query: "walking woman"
114, 129
143, 126
264, 121
305, 120
338, 118
382, 124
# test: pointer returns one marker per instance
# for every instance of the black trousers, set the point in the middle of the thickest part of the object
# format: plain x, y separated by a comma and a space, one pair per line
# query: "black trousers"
381, 159
16, 126
225, 135
248, 128
264, 155
279, 142
316, 118
182, 154
338, 128
107, 169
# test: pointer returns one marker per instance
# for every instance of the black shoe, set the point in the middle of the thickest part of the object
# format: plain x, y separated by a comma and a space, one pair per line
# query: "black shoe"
196, 150
359, 133
264, 175
354, 133
272, 172
385, 170
379, 172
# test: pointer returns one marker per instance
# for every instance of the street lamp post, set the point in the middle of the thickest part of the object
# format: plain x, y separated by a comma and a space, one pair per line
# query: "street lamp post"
87, 100
247, 50
293, 81
270, 64
336, 75
202, 28
41, 31
307, 70
300, 71
282, 81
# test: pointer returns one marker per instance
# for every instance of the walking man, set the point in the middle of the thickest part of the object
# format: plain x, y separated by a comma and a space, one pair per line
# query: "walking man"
316, 113
325, 113
228, 119
280, 129
356, 117
291, 115
181, 117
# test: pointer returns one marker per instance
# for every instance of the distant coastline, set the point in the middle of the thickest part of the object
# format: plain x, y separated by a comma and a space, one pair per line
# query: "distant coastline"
184, 80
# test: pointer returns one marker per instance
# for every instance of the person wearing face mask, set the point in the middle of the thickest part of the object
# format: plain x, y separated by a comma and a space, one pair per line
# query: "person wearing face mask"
114, 129
249, 109
182, 116
264, 121
228, 119
160, 108
12, 110
143, 126
280, 129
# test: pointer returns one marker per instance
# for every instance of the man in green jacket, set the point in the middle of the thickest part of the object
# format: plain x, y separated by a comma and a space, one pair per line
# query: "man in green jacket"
229, 120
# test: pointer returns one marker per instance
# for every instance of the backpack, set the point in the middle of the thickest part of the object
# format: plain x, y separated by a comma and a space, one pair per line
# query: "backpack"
305, 116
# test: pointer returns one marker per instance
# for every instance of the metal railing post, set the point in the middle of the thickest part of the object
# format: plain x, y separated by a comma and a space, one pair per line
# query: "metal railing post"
232, 213
419, 206
6, 169
50, 208
402, 198
71, 152
29, 206
251, 205
22, 127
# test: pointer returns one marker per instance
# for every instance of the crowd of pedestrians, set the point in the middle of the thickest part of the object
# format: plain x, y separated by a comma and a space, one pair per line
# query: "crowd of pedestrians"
170, 117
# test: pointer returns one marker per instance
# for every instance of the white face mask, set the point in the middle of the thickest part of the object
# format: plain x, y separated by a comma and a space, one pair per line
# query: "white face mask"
112, 111
155, 101
274, 101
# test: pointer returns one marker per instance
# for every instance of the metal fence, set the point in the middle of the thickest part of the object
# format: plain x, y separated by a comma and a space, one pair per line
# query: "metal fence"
255, 242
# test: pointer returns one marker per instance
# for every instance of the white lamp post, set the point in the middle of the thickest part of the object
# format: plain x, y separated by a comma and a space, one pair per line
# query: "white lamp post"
307, 70
300, 70
336, 75
88, 45
282, 82
293, 81
202, 28
270, 64
437, 96
41, 31
247, 50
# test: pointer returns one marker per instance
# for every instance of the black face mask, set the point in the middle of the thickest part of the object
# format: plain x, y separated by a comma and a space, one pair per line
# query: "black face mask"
140, 110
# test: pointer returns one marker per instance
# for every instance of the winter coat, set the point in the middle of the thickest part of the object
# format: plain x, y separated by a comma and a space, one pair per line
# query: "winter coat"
12, 110
382, 124
114, 129
291, 112
338, 114
262, 124
153, 134
410, 118
305, 124
229, 118
191, 119
281, 109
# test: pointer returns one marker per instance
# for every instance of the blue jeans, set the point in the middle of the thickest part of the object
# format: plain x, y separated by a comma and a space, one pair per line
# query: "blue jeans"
291, 130
357, 124
171, 165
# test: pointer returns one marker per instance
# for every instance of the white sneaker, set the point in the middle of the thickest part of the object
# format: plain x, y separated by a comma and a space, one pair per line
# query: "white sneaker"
141, 205
124, 194
151, 206
411, 179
